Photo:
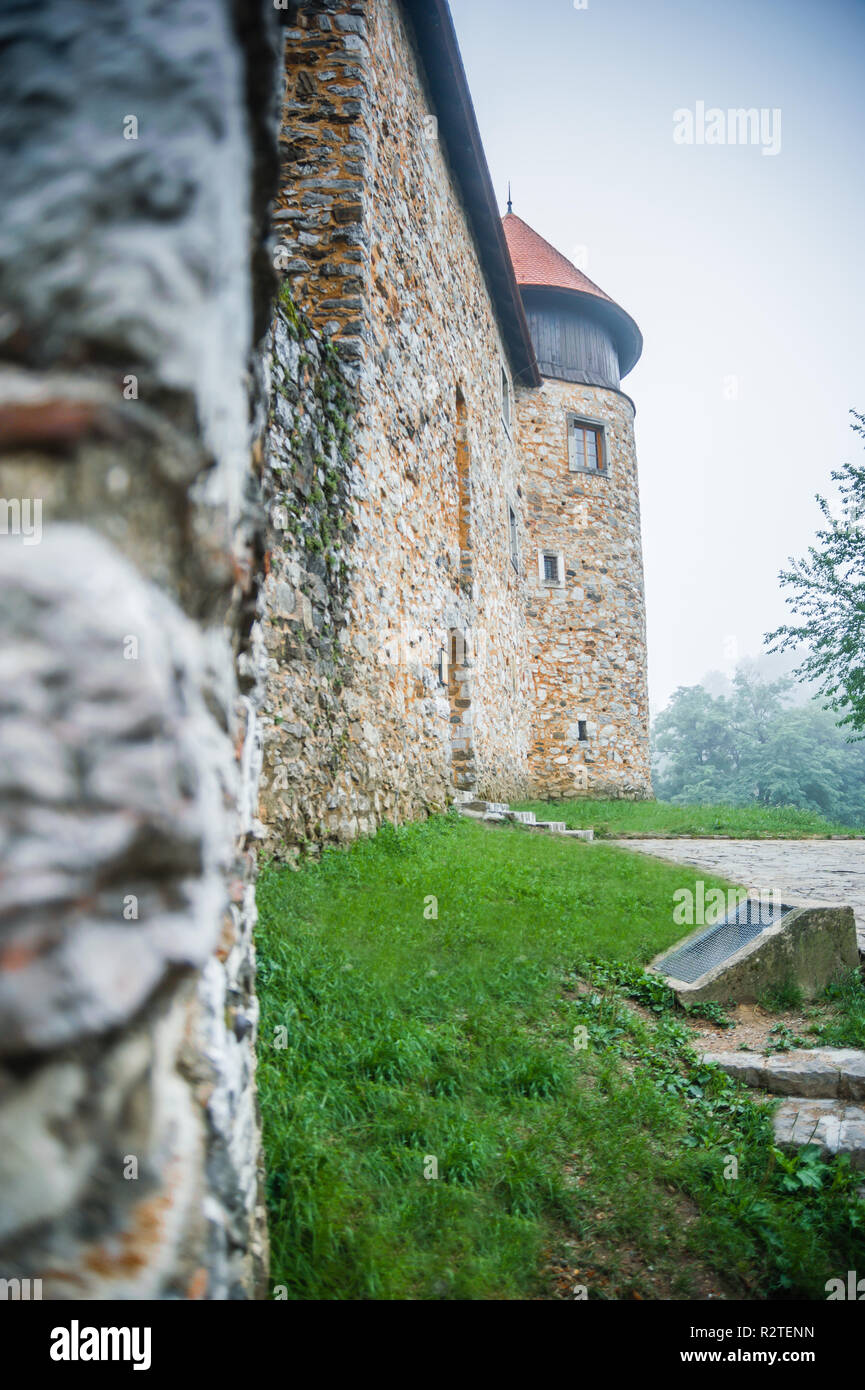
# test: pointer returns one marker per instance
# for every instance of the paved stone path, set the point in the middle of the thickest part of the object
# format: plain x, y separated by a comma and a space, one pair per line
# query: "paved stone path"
827, 871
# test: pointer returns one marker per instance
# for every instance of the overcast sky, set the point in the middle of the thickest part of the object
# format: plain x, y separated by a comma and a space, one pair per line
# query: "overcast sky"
744, 270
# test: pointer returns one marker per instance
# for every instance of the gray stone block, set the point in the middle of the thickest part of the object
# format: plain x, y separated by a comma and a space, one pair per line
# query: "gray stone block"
808, 1072
834, 1127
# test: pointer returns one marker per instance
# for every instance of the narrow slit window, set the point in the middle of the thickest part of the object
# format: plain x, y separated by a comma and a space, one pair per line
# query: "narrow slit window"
506, 399
514, 538
582, 730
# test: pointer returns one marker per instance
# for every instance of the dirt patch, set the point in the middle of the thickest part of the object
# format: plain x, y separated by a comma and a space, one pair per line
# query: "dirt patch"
621, 1273
755, 1029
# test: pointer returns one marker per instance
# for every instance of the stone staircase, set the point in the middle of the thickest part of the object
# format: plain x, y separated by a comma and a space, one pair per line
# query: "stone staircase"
500, 812
826, 1090
825, 1086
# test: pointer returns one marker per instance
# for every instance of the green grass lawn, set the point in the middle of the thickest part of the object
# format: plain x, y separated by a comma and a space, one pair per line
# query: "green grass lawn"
422, 994
621, 818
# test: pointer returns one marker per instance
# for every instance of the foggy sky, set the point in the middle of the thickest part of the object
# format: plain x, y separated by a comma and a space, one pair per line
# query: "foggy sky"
744, 270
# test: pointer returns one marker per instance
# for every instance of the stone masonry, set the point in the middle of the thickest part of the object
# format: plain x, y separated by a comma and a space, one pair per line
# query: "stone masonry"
237, 537
443, 668
432, 687
587, 641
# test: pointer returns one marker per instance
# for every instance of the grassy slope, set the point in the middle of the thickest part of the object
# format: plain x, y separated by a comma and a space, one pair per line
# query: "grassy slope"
614, 818
408, 1037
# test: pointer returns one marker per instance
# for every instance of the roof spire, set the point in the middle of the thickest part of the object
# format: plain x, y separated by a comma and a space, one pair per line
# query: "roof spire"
510, 208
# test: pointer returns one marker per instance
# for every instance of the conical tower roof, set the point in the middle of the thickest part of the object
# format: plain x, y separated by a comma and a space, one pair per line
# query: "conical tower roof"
539, 265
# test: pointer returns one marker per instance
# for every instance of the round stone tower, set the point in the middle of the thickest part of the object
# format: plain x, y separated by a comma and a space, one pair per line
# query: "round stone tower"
585, 603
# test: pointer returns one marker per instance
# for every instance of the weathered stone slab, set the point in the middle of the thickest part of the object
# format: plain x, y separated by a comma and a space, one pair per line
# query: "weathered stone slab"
807, 1072
831, 1124
747, 1067
804, 1120
852, 1138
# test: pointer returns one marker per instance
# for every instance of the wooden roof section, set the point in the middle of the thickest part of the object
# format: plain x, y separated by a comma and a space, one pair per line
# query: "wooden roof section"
458, 128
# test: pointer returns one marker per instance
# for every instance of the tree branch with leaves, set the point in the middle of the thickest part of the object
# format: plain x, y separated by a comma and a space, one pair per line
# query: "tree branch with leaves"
828, 599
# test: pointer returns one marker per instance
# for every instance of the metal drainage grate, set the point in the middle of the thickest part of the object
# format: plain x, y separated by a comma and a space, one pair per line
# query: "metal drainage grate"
721, 940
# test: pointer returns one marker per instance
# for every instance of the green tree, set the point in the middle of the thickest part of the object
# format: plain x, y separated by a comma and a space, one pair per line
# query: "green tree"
696, 747
828, 598
756, 747
800, 762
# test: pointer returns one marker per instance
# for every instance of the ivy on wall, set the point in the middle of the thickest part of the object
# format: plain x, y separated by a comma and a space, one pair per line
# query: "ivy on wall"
312, 451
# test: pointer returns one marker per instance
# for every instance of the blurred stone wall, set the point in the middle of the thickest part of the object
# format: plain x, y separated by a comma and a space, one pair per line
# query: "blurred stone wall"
138, 158
313, 740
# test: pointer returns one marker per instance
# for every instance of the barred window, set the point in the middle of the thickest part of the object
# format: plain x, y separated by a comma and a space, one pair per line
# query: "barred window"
551, 568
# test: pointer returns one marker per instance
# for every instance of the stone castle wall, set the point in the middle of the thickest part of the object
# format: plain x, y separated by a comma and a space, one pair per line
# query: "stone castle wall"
377, 249
587, 639
131, 259
231, 499
319, 777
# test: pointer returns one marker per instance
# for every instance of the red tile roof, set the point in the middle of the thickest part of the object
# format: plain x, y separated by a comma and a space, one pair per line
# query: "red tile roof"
536, 262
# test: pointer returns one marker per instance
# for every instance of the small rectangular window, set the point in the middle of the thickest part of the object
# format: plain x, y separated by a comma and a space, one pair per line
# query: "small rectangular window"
506, 399
581, 727
551, 568
586, 446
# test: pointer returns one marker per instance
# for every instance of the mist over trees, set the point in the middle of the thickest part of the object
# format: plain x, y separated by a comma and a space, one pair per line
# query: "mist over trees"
788, 729
762, 742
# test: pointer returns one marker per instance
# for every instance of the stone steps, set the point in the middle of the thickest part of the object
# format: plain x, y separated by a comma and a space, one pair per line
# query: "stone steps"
812, 1072
837, 1127
826, 1090
500, 811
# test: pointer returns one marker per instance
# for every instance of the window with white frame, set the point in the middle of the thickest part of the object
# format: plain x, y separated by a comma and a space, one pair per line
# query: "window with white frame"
551, 568
587, 445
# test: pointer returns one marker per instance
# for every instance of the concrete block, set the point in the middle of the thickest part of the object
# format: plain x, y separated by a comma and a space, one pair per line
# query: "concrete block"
813, 944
